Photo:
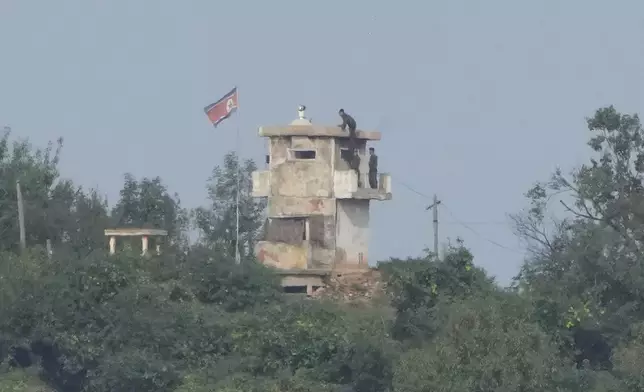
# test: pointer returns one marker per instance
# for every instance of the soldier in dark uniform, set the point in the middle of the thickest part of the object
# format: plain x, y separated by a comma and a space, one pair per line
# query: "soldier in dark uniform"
373, 168
348, 121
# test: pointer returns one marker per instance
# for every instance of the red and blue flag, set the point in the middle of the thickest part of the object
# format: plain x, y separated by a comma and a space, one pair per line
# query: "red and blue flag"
223, 108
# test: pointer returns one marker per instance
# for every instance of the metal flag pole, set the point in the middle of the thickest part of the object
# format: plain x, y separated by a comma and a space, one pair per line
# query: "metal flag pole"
238, 174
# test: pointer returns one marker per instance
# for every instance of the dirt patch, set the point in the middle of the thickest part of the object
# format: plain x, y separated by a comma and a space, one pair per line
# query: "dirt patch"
354, 286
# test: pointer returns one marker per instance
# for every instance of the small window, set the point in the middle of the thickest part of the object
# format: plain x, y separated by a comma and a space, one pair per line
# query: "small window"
268, 159
345, 154
303, 154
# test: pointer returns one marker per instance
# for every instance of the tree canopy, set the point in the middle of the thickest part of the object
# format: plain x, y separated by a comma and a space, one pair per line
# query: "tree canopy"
190, 319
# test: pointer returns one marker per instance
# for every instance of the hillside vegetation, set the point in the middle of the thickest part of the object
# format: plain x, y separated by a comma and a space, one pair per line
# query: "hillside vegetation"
191, 320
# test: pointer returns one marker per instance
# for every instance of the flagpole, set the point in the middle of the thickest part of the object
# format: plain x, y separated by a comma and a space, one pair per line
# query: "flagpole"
217, 112
237, 148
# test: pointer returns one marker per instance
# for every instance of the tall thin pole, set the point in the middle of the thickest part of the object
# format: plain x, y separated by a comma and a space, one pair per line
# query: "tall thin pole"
434, 207
238, 174
21, 217
237, 152
435, 213
48, 247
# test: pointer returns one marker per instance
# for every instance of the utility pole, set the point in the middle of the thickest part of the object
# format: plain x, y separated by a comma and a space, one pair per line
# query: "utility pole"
48, 246
434, 207
21, 217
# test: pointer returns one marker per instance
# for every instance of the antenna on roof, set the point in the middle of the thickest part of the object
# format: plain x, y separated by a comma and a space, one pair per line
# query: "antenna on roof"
301, 120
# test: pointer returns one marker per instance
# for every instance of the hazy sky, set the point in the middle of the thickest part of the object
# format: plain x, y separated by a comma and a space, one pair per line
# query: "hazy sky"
476, 99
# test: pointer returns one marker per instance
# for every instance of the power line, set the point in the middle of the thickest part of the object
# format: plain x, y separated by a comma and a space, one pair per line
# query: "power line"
491, 223
462, 223
411, 189
421, 194
478, 234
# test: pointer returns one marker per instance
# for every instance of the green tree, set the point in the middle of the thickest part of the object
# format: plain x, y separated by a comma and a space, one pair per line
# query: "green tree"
417, 285
17, 380
628, 357
37, 171
321, 342
148, 204
586, 270
78, 218
55, 208
217, 280
217, 222
249, 383
101, 323
486, 343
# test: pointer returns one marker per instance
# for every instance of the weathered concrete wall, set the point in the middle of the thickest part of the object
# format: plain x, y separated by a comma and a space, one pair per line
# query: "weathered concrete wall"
322, 258
345, 183
322, 231
302, 280
300, 206
322, 240
301, 178
305, 143
352, 232
281, 255
261, 183
384, 183
279, 150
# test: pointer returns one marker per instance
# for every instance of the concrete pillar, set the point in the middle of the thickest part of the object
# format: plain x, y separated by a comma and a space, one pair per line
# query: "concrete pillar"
112, 245
144, 244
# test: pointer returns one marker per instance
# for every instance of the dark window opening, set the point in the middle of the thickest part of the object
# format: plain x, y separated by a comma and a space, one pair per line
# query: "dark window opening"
295, 289
268, 159
303, 154
290, 231
345, 154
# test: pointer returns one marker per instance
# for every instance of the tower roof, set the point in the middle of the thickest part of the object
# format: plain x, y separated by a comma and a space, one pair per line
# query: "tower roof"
303, 126
315, 131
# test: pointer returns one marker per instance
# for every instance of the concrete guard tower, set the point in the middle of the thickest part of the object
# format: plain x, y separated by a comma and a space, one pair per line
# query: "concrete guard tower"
318, 215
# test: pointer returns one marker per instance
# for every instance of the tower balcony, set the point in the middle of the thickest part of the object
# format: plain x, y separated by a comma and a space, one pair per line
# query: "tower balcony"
347, 186
261, 183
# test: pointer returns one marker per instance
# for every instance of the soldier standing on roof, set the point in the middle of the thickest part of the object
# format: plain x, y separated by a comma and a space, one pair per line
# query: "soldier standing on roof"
373, 168
348, 121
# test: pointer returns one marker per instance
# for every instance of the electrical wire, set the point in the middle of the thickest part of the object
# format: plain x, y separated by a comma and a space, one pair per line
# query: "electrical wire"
475, 223
458, 221
477, 233
410, 188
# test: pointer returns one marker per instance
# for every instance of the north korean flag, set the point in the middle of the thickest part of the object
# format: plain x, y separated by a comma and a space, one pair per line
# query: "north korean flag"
223, 108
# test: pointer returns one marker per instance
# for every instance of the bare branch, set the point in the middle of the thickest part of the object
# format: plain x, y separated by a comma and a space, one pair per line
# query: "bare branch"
587, 215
